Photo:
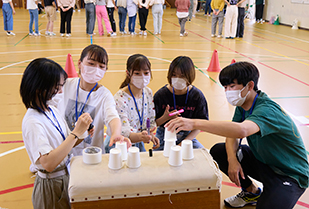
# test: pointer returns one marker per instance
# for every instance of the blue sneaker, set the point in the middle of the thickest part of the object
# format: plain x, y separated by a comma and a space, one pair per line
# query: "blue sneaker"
242, 199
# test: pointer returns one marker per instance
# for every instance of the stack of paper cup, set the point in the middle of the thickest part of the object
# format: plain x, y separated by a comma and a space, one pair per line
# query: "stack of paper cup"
115, 161
175, 158
134, 160
169, 135
168, 143
122, 146
92, 155
187, 149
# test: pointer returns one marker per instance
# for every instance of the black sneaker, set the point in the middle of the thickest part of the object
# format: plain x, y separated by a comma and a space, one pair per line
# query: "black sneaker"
242, 199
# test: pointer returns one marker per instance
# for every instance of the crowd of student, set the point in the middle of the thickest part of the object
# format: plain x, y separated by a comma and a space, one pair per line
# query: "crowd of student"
60, 111
232, 10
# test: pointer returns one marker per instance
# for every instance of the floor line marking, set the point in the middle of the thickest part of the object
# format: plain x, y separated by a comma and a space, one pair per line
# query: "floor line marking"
11, 151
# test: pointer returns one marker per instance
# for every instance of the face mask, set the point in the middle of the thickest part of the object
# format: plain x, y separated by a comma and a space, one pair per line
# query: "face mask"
234, 97
92, 74
140, 81
179, 83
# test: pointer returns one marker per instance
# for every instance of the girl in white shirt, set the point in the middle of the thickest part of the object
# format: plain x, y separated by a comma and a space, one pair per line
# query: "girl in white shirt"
47, 139
134, 102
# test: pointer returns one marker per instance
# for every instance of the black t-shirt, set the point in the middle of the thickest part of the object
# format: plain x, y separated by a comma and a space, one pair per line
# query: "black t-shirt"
48, 2
196, 107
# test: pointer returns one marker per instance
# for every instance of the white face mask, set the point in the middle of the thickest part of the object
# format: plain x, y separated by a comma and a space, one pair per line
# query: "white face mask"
234, 97
92, 74
140, 81
179, 83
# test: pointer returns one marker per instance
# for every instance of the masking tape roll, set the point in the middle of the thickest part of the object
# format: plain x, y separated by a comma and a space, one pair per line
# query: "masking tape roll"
92, 155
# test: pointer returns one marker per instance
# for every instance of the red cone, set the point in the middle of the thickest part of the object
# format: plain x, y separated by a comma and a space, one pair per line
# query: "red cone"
214, 65
70, 68
233, 61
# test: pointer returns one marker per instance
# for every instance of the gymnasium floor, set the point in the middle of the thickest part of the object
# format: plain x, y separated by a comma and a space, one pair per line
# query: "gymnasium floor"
280, 53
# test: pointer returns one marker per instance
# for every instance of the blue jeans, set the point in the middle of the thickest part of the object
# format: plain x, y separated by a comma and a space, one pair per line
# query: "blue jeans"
140, 145
90, 17
131, 25
7, 17
207, 7
180, 137
122, 12
34, 15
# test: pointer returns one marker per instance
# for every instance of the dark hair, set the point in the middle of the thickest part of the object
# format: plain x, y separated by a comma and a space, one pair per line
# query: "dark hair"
186, 67
243, 72
135, 62
39, 82
96, 53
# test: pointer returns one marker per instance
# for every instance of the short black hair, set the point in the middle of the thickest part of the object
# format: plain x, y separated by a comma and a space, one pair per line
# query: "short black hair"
39, 82
96, 53
186, 67
243, 72
135, 63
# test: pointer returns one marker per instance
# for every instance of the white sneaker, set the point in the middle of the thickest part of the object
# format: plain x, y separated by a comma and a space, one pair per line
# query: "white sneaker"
47, 33
31, 34
62, 34
68, 34
37, 34
213, 35
145, 33
52, 33
124, 33
113, 34
219, 36
133, 33
141, 32
78, 10
181, 35
10, 33
185, 33
243, 198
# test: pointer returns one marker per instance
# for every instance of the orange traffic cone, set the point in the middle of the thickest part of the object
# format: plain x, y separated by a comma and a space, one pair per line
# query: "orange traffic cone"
70, 68
214, 65
233, 61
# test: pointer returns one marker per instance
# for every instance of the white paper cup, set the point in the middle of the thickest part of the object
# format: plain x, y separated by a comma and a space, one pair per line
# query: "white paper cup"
115, 161
169, 135
134, 160
92, 155
187, 149
168, 143
122, 146
175, 158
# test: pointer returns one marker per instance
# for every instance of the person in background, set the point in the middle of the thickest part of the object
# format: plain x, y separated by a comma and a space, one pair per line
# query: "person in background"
77, 5
8, 11
40, 8
231, 17
143, 10
90, 16
50, 10
111, 7
241, 17
276, 155
102, 13
132, 13
207, 7
157, 14
179, 94
134, 103
217, 7
47, 138
34, 16
259, 9
182, 12
122, 13
66, 12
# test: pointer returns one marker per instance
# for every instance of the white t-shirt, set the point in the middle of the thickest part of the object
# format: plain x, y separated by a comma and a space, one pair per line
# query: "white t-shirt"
41, 136
31, 4
100, 105
128, 114
110, 4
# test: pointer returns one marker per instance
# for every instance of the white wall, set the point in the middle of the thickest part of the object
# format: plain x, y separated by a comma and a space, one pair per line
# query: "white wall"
287, 12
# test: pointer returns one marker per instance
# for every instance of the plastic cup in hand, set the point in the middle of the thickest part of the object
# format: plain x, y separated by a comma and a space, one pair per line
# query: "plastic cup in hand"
168, 143
134, 160
169, 135
175, 158
187, 149
122, 146
115, 161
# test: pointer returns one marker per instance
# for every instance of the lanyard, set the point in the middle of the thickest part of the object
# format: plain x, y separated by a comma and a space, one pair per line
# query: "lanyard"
139, 115
57, 127
251, 109
81, 111
185, 101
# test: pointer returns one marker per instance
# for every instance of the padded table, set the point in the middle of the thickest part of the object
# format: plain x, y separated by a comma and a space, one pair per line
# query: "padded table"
155, 184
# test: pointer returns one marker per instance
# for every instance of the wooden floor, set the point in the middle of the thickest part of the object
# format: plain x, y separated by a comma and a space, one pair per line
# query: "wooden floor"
281, 54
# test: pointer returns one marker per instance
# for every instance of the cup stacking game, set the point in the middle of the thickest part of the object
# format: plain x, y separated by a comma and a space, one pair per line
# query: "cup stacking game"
178, 177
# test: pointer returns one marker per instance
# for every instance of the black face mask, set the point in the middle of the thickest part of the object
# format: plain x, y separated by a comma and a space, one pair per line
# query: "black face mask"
143, 1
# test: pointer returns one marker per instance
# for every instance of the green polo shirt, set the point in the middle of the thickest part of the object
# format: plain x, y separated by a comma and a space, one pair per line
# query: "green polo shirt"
278, 143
